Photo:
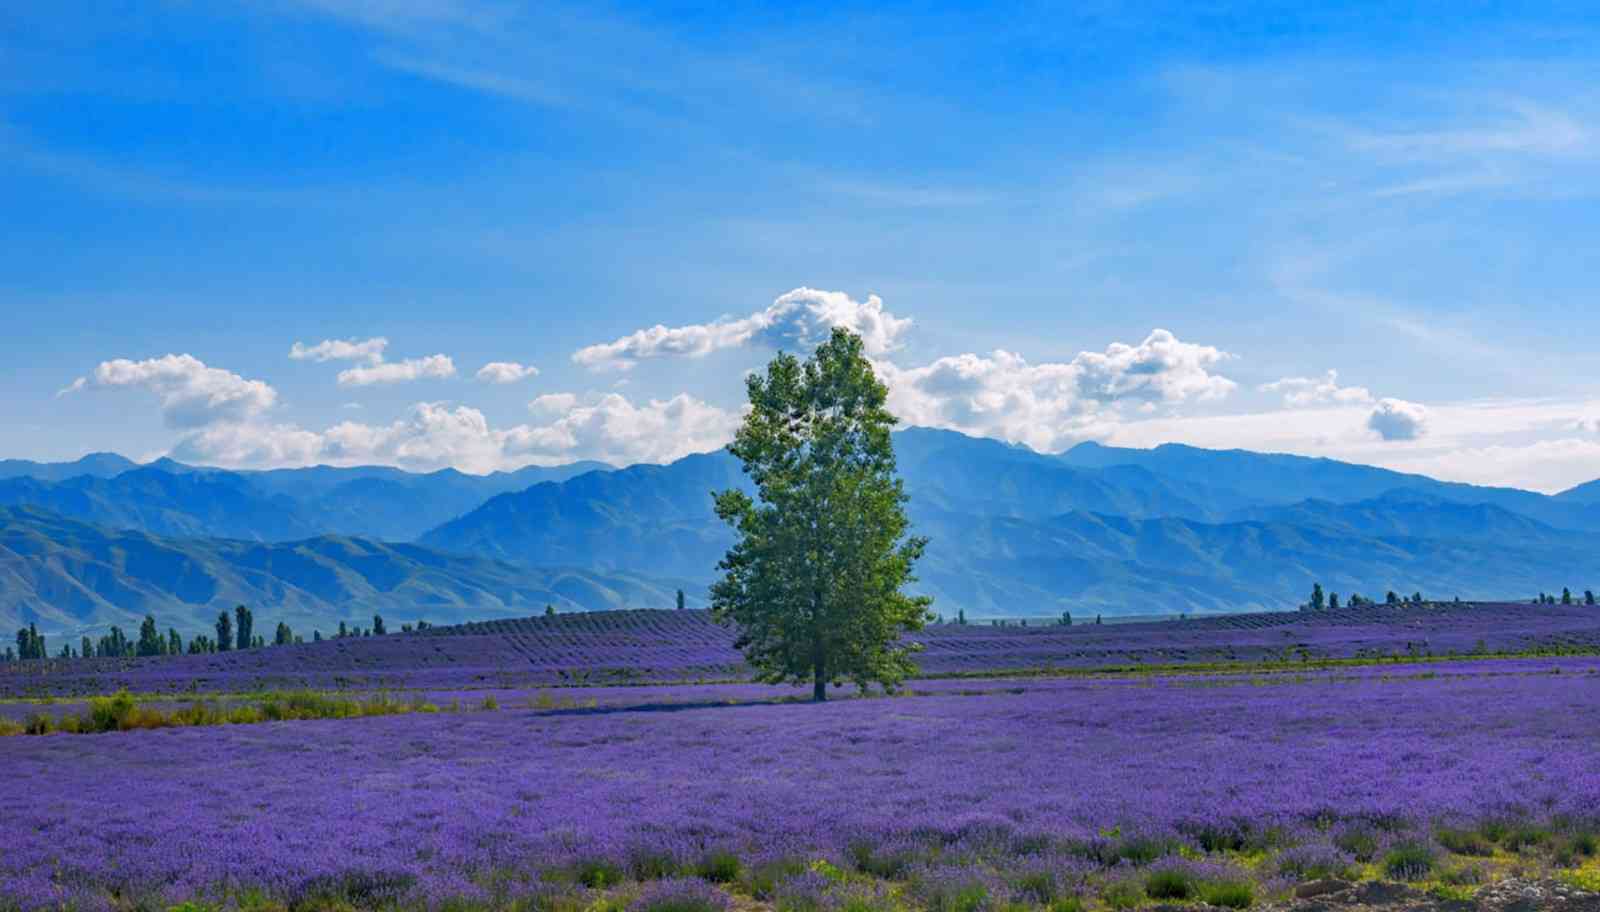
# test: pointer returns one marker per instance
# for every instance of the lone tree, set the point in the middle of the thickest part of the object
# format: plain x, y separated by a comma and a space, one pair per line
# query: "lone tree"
243, 628
814, 583
224, 632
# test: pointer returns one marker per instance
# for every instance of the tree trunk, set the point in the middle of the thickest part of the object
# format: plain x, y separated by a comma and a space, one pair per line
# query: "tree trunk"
819, 686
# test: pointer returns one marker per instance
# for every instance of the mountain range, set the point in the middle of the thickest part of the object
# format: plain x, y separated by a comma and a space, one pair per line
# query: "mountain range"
1013, 533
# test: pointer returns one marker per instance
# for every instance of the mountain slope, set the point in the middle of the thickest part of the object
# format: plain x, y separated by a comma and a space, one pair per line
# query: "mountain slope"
1587, 494
100, 465
1089, 562
1412, 514
218, 504
1015, 533
647, 518
170, 498
1271, 479
68, 575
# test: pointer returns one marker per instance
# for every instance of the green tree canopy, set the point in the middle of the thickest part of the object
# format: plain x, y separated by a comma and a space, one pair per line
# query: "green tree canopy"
814, 584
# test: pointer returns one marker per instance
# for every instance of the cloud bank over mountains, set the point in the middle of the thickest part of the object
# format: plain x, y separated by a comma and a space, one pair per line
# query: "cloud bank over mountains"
1127, 393
797, 321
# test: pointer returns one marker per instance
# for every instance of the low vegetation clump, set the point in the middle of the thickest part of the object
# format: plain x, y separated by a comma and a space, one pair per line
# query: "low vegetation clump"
681, 894
1411, 859
124, 711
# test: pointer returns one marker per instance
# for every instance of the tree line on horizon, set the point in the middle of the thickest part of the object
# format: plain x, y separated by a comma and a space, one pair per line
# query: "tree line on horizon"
1321, 601
235, 631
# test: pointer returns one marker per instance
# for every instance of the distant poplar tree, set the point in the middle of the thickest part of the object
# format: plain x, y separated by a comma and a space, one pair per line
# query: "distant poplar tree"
283, 636
1588, 596
1318, 601
1066, 619
1333, 601
377, 625
549, 611
150, 641
86, 647
343, 630
1566, 596
224, 632
680, 599
174, 642
244, 623
815, 583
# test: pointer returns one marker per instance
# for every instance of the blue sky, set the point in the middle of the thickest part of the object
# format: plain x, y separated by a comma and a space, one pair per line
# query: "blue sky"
1405, 196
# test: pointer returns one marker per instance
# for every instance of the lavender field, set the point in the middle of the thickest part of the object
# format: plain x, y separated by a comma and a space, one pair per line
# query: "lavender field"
652, 647
962, 795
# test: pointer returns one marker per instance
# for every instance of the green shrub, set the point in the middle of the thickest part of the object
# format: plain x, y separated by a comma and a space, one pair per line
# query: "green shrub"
1169, 883
1410, 860
719, 867
1122, 894
113, 713
652, 864
1464, 876
1464, 842
1038, 885
889, 864
40, 724
1142, 850
8, 728
762, 880
1066, 904
1525, 837
597, 873
1231, 894
1359, 841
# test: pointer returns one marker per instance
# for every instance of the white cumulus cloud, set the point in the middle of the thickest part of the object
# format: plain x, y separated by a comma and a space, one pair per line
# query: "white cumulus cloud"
431, 367
434, 435
506, 372
1397, 419
192, 394
798, 320
368, 350
1052, 405
1300, 392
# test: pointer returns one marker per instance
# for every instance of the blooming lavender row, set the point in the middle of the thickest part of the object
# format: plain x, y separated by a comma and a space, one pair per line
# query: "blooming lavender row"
631, 647
939, 789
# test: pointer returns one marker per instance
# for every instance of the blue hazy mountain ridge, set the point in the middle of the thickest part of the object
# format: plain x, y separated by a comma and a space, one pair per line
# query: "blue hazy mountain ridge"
158, 501
1587, 493
1014, 532
172, 499
1279, 478
100, 465
72, 576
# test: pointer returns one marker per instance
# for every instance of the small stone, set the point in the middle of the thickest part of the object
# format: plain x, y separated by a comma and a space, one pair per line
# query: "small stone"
1319, 888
